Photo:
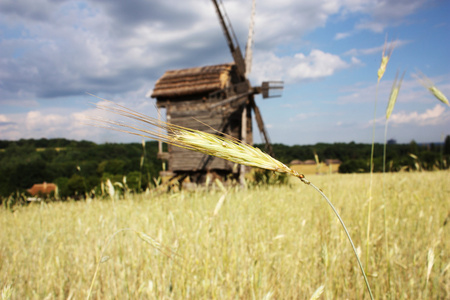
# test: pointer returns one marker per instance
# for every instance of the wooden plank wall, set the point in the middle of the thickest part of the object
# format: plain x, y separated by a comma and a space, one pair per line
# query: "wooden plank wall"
195, 115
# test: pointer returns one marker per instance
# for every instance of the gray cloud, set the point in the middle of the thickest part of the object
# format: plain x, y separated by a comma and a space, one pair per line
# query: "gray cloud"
4, 124
134, 13
32, 10
112, 46
59, 48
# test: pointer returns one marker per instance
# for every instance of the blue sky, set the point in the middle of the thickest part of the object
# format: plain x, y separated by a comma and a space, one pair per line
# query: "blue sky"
327, 52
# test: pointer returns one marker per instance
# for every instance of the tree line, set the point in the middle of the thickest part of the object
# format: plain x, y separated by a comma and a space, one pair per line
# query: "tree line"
79, 167
355, 157
76, 167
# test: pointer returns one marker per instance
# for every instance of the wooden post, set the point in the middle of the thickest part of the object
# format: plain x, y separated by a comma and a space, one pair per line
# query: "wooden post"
243, 139
160, 150
159, 130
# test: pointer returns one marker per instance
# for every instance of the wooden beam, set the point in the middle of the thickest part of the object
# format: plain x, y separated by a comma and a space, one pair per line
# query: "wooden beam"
244, 140
159, 131
231, 99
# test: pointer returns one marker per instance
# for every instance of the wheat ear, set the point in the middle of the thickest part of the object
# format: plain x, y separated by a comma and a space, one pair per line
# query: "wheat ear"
385, 58
222, 146
429, 85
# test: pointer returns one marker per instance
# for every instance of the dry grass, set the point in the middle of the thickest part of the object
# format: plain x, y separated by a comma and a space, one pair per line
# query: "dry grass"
218, 144
321, 168
273, 242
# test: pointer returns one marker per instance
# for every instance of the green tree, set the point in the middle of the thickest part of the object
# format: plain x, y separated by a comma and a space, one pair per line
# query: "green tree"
134, 181
447, 145
63, 188
354, 166
413, 147
76, 186
113, 166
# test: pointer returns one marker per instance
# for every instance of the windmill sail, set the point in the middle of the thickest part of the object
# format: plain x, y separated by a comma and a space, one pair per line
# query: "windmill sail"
249, 47
262, 128
244, 67
231, 38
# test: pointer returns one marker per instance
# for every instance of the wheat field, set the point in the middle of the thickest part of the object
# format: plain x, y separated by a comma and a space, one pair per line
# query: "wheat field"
266, 242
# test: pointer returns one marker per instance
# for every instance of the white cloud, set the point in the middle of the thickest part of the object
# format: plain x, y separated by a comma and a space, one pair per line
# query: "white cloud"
37, 124
3, 119
279, 22
36, 121
342, 35
379, 49
318, 64
297, 68
435, 116
438, 115
70, 123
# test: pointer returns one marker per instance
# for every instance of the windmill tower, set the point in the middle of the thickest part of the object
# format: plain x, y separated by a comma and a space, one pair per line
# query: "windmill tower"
214, 99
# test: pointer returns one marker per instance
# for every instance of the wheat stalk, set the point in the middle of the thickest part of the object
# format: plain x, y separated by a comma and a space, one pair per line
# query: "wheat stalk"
390, 107
222, 146
430, 260
317, 293
143, 236
385, 56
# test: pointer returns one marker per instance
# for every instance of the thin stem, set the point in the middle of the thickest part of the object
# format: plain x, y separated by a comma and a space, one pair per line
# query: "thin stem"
144, 237
346, 232
101, 258
386, 239
371, 175
384, 150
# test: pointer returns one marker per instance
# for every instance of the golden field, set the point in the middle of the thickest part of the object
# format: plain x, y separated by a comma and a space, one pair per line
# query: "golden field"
265, 242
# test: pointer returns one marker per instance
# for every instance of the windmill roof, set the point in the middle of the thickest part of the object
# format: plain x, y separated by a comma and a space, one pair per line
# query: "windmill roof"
184, 82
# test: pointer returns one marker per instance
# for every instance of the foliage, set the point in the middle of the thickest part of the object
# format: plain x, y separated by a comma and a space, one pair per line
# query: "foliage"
355, 156
265, 177
354, 166
77, 167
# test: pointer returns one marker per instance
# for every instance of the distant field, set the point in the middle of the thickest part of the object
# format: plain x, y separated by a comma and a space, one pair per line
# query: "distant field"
277, 242
322, 168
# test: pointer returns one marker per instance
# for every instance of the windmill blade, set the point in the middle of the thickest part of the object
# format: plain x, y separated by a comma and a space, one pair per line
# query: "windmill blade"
248, 48
239, 97
231, 38
262, 128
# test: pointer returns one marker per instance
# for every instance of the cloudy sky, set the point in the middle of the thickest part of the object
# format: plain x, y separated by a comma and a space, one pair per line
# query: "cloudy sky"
327, 52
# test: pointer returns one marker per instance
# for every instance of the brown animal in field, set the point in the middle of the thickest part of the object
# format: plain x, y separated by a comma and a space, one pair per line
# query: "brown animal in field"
41, 189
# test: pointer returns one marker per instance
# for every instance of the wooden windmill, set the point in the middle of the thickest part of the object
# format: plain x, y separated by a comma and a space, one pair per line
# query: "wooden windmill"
214, 99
